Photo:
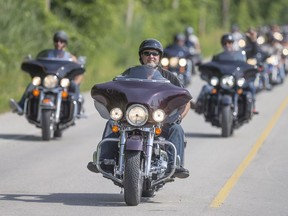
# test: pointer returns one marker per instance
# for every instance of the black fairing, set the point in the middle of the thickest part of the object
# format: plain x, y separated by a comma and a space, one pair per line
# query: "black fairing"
220, 68
47, 63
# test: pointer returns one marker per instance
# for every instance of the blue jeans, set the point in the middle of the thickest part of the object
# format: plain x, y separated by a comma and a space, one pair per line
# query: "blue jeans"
171, 132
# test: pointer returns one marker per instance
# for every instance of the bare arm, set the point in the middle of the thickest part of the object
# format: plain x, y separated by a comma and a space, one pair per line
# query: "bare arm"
186, 110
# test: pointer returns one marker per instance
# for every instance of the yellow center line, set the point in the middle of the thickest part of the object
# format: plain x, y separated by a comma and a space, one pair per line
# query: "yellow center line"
225, 190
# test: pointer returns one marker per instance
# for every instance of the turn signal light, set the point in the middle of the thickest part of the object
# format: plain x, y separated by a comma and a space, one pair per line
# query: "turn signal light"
36, 92
158, 131
214, 91
115, 129
64, 94
239, 91
46, 101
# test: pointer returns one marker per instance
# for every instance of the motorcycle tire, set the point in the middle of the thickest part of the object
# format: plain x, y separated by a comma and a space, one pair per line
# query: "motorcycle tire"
227, 121
47, 124
133, 178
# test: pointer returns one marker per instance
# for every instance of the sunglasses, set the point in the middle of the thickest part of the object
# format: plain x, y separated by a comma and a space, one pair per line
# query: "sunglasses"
146, 53
229, 42
59, 41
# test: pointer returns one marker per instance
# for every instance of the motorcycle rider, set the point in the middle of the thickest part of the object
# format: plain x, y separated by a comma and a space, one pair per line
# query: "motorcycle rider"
178, 49
193, 44
237, 36
227, 42
150, 53
60, 40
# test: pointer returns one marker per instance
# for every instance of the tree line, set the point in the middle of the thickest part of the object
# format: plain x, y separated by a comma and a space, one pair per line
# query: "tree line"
108, 32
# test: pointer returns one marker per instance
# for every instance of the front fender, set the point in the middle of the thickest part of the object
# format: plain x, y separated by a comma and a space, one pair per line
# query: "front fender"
226, 100
134, 143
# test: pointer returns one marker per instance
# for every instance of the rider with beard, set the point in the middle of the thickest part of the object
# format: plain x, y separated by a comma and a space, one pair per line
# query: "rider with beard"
150, 53
60, 40
230, 55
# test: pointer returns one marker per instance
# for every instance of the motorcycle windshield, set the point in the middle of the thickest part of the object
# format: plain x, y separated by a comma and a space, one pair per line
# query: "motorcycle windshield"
139, 85
55, 55
55, 62
142, 73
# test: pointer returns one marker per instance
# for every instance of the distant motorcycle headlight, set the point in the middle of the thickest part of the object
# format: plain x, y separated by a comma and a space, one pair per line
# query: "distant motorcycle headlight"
165, 62
214, 81
227, 82
278, 36
36, 81
116, 114
65, 82
285, 51
50, 81
260, 40
174, 62
252, 61
272, 60
240, 82
242, 43
158, 115
137, 115
182, 62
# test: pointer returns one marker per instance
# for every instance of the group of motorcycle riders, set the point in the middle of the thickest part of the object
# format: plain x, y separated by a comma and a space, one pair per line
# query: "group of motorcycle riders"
240, 46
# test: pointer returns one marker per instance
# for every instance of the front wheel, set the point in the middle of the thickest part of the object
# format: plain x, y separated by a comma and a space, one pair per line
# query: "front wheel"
47, 124
227, 121
133, 178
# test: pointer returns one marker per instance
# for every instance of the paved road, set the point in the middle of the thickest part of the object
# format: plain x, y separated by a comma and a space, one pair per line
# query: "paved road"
242, 175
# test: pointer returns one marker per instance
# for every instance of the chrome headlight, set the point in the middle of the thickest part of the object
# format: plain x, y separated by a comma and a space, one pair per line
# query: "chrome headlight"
116, 114
50, 81
227, 82
174, 62
182, 62
165, 62
65, 82
158, 115
36, 81
240, 82
137, 115
214, 81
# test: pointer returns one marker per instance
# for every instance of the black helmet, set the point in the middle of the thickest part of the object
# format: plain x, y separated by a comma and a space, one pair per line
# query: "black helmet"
60, 35
150, 44
179, 37
226, 38
189, 30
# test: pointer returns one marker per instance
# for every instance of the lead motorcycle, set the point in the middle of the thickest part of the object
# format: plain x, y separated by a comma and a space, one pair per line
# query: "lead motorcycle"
139, 102
51, 104
228, 102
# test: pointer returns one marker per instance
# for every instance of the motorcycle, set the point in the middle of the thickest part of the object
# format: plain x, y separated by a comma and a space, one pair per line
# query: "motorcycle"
262, 80
178, 63
227, 102
51, 105
140, 102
